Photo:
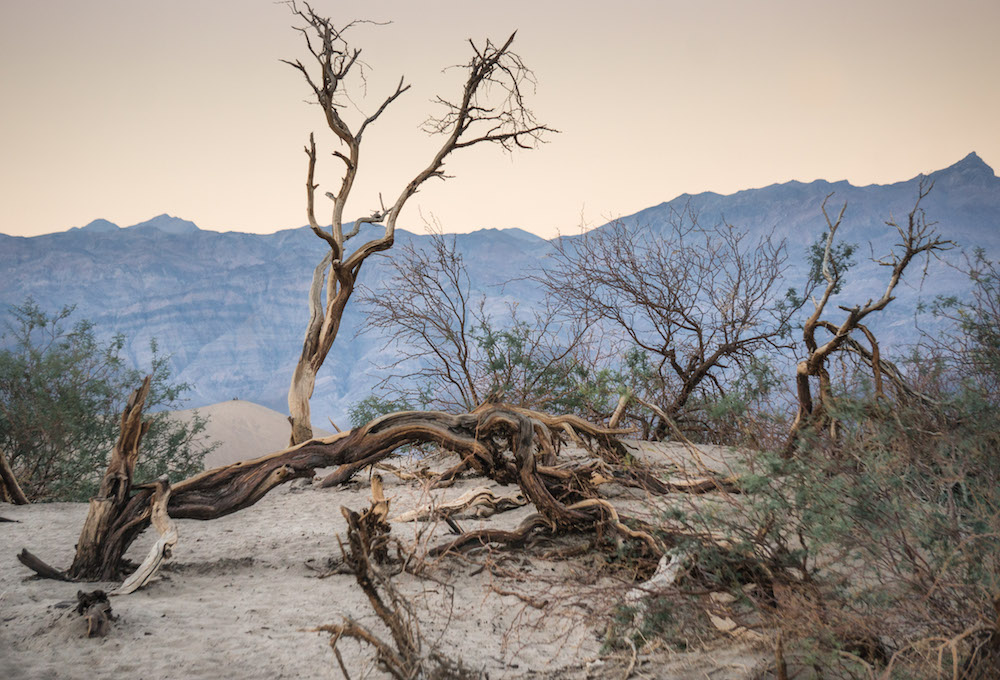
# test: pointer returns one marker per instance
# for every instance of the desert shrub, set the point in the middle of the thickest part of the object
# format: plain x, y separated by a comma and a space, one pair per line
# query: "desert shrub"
749, 414
873, 546
877, 549
969, 345
453, 351
701, 303
374, 406
877, 544
61, 395
515, 367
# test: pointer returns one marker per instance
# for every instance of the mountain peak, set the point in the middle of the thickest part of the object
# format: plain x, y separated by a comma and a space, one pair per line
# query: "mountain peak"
168, 224
98, 226
970, 166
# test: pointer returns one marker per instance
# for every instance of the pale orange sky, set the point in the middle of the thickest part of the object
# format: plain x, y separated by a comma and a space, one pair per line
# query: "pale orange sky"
124, 109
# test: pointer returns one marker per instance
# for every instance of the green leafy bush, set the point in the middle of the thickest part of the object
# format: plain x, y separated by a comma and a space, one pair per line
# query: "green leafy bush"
61, 396
373, 406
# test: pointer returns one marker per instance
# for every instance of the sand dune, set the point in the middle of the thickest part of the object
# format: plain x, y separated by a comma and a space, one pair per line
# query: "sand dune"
243, 429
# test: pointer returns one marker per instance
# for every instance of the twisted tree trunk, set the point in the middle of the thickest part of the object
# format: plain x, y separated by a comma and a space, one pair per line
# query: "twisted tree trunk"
468, 121
507, 444
917, 237
106, 507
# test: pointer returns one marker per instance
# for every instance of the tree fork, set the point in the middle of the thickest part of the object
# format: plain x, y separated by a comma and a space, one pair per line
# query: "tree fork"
917, 237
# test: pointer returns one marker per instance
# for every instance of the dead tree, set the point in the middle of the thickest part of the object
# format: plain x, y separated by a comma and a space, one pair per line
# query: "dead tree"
408, 654
917, 237
700, 303
469, 120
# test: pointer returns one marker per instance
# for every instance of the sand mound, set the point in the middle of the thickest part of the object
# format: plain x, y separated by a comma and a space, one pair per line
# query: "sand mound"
244, 429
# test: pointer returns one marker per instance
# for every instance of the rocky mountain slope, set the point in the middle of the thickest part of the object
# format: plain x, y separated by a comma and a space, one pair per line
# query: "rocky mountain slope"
230, 307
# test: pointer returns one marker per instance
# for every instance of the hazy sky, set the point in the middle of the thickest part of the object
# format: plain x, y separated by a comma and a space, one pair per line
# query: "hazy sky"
124, 109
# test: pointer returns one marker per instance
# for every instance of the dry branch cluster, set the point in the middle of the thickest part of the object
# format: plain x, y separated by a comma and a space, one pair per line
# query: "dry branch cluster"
453, 349
701, 302
366, 556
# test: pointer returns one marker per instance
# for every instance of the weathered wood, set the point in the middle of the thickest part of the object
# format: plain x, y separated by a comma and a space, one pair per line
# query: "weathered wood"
917, 237
41, 568
468, 122
616, 417
91, 559
161, 550
483, 537
598, 511
502, 442
365, 550
481, 497
96, 609
10, 490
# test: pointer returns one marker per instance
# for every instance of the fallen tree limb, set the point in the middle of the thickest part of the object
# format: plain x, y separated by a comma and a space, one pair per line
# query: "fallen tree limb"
40, 568
448, 477
484, 537
519, 536
506, 444
422, 473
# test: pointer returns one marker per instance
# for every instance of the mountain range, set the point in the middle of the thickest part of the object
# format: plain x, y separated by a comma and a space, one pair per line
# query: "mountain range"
231, 307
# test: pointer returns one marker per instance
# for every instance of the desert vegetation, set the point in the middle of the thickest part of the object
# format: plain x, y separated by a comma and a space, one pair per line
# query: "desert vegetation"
62, 392
843, 522
864, 531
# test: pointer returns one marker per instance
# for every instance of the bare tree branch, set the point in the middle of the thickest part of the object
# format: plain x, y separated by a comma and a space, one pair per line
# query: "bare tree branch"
453, 349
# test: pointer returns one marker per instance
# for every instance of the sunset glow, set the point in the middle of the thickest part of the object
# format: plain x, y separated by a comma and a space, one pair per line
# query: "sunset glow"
124, 110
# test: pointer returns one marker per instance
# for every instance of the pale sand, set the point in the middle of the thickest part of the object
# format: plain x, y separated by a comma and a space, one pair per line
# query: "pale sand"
243, 429
234, 601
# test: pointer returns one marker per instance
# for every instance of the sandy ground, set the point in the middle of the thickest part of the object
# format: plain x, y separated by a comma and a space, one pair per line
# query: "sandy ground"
238, 597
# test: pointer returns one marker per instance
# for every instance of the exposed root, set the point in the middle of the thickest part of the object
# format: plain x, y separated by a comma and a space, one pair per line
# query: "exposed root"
95, 608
